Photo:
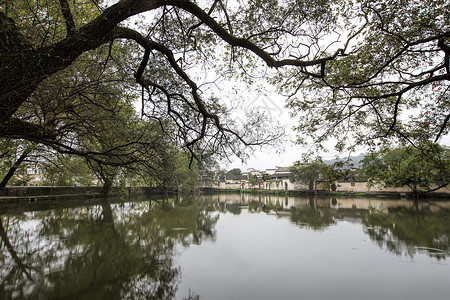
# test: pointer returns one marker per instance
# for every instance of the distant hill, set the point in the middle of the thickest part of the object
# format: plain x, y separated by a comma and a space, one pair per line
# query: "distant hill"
354, 159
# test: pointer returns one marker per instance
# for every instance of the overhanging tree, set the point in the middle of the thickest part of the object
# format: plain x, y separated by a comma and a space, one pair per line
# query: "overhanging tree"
28, 62
12, 155
363, 82
392, 84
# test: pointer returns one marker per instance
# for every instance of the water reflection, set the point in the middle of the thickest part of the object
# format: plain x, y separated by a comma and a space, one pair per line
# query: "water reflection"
128, 249
406, 231
402, 227
101, 252
312, 216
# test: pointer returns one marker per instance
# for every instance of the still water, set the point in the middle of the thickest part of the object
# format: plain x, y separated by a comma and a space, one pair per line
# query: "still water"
227, 247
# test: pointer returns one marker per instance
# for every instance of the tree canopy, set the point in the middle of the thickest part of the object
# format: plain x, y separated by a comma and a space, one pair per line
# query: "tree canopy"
392, 83
424, 168
308, 173
235, 171
90, 60
353, 71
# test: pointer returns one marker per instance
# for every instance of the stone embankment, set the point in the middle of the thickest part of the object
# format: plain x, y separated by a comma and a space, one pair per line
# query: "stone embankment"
34, 193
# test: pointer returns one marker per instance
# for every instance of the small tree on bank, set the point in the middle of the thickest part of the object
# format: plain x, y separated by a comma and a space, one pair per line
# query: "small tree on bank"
308, 173
311, 172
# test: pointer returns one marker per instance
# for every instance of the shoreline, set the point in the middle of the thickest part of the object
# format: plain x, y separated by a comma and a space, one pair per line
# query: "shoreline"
400, 195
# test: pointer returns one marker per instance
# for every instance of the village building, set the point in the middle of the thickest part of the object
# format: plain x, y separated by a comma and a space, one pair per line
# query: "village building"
277, 179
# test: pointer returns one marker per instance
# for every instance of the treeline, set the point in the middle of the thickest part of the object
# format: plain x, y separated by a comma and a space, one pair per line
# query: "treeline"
423, 168
24, 164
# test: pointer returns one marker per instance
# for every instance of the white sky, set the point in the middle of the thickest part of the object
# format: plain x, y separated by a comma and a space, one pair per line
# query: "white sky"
287, 152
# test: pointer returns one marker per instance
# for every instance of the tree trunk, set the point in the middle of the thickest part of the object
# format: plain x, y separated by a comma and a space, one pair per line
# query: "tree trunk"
13, 169
106, 187
311, 186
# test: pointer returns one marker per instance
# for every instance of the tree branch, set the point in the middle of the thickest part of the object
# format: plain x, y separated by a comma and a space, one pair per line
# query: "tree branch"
201, 107
13, 169
17, 128
245, 43
444, 125
23, 69
68, 17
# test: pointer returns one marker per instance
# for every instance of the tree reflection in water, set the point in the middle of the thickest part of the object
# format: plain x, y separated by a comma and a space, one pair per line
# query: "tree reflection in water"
127, 250
99, 252
311, 216
407, 231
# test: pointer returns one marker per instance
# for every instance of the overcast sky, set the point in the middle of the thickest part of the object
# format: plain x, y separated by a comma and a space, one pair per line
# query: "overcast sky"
287, 152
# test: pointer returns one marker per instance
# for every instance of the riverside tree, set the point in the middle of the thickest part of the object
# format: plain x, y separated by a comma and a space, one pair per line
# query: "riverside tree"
312, 171
36, 49
392, 83
308, 173
424, 168
352, 70
12, 154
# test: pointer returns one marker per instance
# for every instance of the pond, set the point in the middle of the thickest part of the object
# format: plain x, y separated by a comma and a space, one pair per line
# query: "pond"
226, 246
